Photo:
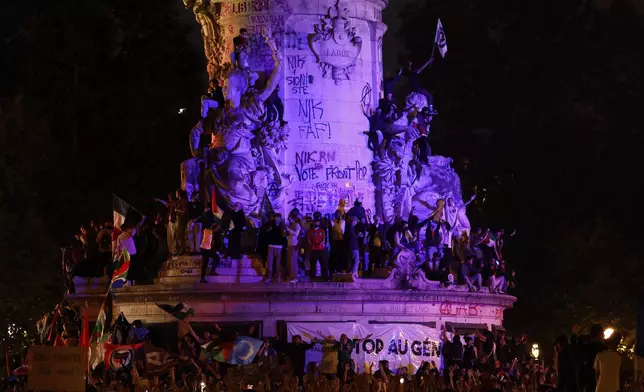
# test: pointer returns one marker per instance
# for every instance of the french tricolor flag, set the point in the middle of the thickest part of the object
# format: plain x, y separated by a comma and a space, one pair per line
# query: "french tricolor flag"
121, 210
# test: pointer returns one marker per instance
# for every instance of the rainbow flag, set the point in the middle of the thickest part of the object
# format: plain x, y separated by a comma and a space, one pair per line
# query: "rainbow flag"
240, 352
120, 273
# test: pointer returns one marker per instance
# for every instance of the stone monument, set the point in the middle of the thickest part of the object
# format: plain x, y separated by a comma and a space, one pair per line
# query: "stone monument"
326, 58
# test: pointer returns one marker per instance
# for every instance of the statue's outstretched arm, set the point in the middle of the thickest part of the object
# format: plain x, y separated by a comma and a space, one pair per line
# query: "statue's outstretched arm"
273, 80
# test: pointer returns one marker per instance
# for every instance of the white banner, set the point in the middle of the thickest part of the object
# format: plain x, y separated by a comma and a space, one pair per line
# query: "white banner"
400, 344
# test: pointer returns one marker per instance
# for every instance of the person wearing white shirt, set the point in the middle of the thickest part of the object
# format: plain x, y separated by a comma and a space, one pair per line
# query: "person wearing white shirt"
607, 367
126, 241
292, 232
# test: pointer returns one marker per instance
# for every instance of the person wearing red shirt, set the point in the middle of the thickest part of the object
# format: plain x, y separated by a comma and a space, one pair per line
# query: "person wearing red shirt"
317, 243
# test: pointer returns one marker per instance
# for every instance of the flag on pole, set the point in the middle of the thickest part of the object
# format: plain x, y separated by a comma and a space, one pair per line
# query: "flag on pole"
54, 325
104, 319
120, 272
6, 358
100, 335
179, 311
240, 352
440, 39
122, 212
123, 356
121, 209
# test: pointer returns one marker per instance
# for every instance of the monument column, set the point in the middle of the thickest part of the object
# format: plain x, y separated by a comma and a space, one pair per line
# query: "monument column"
332, 61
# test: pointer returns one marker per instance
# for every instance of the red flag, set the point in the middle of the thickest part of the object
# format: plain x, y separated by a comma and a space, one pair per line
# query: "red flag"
54, 325
6, 354
85, 329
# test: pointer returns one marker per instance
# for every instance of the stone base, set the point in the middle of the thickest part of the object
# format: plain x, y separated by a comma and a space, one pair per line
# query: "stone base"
237, 293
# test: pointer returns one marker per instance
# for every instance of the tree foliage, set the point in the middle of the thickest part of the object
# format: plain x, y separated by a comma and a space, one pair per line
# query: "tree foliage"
541, 98
89, 93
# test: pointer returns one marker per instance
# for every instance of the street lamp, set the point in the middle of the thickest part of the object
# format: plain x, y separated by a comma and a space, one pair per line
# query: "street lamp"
608, 332
535, 351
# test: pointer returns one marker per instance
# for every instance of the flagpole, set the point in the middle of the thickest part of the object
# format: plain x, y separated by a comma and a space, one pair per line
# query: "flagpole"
432, 56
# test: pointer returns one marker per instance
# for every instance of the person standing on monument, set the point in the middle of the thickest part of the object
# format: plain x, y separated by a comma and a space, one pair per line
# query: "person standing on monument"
422, 123
337, 242
292, 231
196, 210
171, 221
351, 241
238, 219
433, 240
126, 241
316, 238
273, 236
182, 208
211, 243
377, 235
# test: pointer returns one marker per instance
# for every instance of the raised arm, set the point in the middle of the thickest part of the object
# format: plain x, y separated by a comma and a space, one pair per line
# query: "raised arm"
422, 67
273, 80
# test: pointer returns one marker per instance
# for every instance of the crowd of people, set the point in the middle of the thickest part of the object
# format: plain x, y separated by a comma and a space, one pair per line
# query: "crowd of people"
470, 360
309, 247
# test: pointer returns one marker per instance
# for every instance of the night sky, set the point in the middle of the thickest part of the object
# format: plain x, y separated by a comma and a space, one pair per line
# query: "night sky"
540, 107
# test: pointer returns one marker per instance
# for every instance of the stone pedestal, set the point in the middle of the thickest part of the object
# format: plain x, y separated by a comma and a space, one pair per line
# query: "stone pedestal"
236, 294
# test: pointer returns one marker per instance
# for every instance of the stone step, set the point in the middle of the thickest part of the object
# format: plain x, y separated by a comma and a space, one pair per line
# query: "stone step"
237, 271
345, 278
234, 279
177, 279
